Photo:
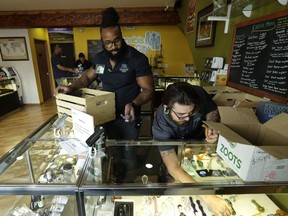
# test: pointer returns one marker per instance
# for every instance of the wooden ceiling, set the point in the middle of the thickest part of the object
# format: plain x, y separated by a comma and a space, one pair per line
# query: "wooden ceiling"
85, 13
86, 18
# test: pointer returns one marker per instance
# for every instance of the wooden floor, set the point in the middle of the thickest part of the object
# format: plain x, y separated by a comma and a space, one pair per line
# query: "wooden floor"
18, 124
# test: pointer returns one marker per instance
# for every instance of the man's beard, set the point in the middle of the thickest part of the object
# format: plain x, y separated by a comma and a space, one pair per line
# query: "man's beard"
120, 54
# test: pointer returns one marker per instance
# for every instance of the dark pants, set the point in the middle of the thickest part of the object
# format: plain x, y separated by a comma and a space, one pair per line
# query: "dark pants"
125, 159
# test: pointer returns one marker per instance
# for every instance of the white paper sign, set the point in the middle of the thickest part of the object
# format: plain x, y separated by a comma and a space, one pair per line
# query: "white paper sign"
83, 125
74, 146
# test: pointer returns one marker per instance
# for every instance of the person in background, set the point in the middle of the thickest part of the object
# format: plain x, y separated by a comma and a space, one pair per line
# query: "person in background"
125, 71
59, 70
82, 64
180, 117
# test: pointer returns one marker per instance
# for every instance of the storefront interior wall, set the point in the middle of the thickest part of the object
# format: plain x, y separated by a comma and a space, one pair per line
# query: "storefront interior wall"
176, 52
25, 68
223, 42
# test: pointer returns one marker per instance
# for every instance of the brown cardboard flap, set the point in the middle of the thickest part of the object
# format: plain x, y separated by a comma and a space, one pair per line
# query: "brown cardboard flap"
280, 152
239, 115
249, 104
219, 89
237, 100
249, 132
226, 132
269, 137
280, 124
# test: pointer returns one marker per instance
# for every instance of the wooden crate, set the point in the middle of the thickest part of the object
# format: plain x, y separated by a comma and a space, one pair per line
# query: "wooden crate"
99, 104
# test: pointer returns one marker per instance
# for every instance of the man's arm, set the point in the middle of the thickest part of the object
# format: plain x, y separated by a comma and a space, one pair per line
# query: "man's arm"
61, 67
217, 204
147, 85
213, 116
212, 135
170, 159
86, 78
81, 82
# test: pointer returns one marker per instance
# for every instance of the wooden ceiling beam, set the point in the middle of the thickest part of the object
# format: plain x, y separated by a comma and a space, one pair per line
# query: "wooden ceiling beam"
85, 18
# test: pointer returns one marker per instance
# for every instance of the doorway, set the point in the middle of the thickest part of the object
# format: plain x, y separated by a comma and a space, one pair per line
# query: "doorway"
43, 68
67, 55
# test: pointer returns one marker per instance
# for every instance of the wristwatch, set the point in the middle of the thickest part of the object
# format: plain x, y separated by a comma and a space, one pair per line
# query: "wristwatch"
133, 105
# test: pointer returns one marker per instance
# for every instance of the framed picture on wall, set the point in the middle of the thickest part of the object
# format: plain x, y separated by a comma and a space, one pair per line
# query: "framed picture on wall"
190, 26
13, 49
205, 32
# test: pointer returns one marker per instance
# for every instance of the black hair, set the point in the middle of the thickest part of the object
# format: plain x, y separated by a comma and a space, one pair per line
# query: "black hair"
110, 17
182, 93
57, 46
81, 55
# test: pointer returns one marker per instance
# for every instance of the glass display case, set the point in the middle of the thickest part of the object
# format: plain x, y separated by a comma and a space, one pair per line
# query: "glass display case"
139, 183
123, 178
38, 177
9, 98
161, 82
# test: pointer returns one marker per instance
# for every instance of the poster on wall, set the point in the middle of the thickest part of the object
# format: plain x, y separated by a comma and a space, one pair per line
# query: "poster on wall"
205, 32
58, 35
191, 16
13, 49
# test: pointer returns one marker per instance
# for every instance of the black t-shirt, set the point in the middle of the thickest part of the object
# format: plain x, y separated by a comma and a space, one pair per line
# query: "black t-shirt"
122, 79
56, 60
164, 129
82, 66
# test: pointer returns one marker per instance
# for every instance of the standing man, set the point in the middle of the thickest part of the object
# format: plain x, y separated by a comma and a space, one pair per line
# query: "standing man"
180, 117
59, 70
82, 64
123, 70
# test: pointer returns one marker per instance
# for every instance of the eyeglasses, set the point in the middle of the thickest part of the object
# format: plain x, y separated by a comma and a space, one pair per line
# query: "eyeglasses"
182, 117
109, 44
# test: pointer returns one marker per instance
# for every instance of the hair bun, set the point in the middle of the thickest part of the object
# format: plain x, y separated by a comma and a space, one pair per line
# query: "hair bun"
110, 17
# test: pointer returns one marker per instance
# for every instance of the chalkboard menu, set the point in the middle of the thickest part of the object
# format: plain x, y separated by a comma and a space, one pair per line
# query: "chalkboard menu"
94, 47
259, 57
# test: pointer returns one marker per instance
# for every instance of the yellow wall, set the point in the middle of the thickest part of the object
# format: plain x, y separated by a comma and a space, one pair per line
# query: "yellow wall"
39, 34
176, 50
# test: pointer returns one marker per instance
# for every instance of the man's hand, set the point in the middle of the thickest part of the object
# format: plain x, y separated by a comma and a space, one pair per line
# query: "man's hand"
62, 89
129, 113
218, 205
72, 70
211, 135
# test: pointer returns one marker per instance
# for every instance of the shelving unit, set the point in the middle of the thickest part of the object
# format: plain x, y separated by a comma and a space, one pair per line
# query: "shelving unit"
9, 98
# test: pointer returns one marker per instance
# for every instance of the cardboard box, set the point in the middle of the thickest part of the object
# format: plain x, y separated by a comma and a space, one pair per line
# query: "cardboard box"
237, 100
255, 151
219, 89
99, 104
